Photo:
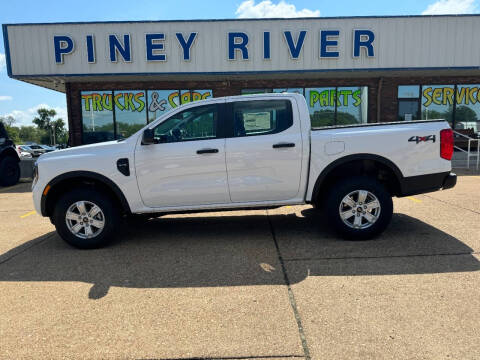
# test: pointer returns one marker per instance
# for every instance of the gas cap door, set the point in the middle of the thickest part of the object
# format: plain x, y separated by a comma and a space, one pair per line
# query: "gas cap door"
334, 147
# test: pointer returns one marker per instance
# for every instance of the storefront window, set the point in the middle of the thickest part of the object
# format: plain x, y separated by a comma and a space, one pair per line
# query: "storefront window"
97, 116
467, 112
352, 105
161, 101
408, 102
337, 106
408, 91
130, 112
321, 105
437, 102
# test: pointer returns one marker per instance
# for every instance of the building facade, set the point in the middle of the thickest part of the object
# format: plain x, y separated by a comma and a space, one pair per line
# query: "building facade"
118, 76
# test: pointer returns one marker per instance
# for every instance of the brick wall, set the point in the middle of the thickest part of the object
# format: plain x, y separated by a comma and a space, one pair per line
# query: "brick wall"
387, 97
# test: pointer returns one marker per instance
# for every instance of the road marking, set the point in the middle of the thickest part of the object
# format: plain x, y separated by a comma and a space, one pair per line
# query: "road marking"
28, 214
414, 199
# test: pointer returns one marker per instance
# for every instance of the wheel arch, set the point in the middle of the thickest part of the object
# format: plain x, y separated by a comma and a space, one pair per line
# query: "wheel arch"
61, 183
364, 164
9, 151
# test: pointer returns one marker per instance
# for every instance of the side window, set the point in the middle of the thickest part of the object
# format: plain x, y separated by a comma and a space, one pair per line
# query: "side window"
198, 123
261, 117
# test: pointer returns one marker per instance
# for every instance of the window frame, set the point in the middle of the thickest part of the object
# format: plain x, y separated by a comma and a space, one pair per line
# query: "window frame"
220, 125
229, 123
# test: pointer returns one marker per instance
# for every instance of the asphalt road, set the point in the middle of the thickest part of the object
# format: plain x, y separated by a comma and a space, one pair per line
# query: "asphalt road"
246, 284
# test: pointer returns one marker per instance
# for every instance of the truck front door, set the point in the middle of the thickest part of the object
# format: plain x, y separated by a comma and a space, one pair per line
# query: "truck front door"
186, 165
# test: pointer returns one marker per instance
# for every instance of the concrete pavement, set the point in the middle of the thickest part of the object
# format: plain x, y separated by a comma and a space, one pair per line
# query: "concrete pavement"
246, 284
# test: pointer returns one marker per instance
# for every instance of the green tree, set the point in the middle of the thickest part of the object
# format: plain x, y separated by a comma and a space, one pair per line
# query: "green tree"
31, 134
54, 130
8, 120
44, 121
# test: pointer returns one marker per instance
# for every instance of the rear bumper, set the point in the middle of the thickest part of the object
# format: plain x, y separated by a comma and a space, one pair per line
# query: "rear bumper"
414, 185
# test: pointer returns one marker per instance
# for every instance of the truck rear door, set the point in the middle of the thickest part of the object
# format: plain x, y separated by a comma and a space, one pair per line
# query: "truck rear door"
263, 150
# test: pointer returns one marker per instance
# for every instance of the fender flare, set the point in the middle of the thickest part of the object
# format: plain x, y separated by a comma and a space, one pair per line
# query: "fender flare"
355, 157
86, 175
9, 151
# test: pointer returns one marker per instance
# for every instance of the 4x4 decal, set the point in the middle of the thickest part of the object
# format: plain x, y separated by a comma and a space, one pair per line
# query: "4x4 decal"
418, 139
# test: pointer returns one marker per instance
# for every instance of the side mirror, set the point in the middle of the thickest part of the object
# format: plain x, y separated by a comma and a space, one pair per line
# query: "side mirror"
148, 137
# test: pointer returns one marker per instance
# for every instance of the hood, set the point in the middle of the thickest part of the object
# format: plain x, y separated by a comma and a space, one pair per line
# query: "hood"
85, 150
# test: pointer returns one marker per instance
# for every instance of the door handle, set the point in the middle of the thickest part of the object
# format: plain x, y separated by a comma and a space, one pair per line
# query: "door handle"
283, 145
207, 151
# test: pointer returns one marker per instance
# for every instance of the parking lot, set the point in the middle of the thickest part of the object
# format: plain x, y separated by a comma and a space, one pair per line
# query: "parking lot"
246, 284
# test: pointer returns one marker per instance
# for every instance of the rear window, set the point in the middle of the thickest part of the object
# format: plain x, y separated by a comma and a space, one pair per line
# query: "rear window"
261, 117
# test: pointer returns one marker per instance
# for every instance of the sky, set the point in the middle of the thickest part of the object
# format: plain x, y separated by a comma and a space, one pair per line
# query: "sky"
21, 100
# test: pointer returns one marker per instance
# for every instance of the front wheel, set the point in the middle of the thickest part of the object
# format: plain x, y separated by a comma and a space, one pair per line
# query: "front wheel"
359, 208
86, 218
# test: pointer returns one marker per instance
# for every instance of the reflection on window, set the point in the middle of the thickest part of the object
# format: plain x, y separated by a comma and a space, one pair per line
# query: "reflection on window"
321, 105
352, 105
97, 116
337, 105
408, 91
161, 101
437, 102
261, 117
199, 123
467, 112
130, 112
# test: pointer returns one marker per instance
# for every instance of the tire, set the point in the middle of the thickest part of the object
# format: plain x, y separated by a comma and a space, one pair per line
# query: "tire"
362, 220
9, 171
93, 235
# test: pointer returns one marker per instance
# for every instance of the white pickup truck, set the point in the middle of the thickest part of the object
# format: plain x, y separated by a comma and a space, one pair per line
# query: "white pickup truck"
235, 152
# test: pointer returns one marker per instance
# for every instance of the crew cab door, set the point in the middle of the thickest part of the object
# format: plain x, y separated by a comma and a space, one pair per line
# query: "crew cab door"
186, 165
264, 150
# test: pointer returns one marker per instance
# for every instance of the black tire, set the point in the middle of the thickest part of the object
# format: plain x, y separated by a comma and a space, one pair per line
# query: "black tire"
9, 171
350, 185
110, 216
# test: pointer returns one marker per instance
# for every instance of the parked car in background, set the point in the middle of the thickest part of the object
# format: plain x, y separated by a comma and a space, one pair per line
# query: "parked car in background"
9, 160
23, 154
48, 148
35, 150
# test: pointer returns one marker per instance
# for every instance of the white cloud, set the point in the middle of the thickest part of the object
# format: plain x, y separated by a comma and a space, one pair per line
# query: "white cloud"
451, 7
2, 61
25, 117
5, 97
267, 9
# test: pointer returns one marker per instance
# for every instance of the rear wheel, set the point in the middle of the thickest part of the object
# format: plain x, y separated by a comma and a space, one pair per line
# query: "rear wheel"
9, 171
359, 208
86, 218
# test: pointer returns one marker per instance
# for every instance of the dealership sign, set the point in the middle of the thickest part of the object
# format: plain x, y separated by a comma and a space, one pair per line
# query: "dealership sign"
120, 46
240, 46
